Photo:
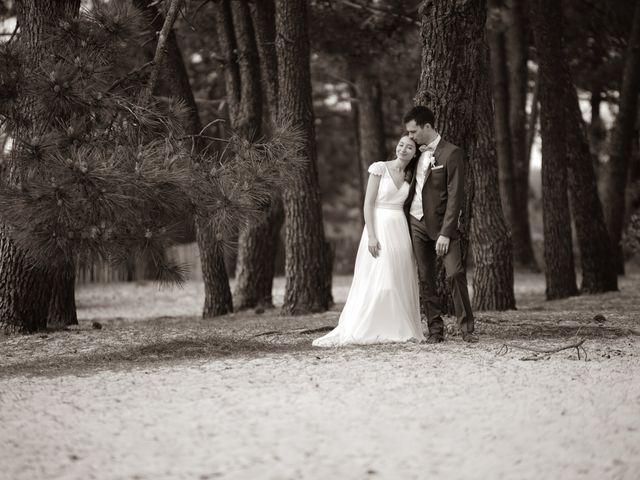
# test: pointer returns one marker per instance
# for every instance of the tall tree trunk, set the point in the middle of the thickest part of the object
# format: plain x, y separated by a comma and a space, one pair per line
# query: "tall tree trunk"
500, 88
257, 243
621, 142
516, 46
256, 259
229, 50
26, 293
455, 82
174, 80
217, 297
249, 112
633, 193
264, 27
307, 257
597, 131
370, 121
362, 179
598, 269
217, 292
62, 306
558, 252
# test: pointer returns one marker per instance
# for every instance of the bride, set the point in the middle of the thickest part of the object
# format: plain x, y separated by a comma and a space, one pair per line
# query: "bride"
383, 302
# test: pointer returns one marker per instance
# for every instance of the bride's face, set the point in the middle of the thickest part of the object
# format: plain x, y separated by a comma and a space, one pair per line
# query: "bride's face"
406, 149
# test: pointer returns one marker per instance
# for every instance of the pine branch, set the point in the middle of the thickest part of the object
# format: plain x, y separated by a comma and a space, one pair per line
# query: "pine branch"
204, 2
130, 74
378, 10
298, 331
577, 345
169, 20
111, 171
187, 21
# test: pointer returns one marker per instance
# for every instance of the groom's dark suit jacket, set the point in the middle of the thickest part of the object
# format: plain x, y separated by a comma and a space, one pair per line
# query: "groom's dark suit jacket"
443, 191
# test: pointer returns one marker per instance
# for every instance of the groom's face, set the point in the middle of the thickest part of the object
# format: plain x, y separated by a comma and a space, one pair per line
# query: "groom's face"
421, 135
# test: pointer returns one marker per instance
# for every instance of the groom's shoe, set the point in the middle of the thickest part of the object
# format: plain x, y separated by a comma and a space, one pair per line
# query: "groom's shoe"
469, 337
435, 338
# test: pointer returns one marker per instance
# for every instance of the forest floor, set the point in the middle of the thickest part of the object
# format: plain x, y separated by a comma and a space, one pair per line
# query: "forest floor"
158, 393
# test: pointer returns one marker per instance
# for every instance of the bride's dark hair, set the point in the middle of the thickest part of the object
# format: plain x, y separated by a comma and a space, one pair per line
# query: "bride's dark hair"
411, 166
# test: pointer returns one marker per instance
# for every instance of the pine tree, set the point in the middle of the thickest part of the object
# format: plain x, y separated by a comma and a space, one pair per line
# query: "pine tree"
558, 251
455, 83
307, 254
31, 297
110, 172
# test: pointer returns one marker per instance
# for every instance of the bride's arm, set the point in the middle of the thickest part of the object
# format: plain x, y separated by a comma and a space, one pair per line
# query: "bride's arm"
369, 202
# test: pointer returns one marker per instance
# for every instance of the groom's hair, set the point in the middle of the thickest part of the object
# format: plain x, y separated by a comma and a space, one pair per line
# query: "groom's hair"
422, 115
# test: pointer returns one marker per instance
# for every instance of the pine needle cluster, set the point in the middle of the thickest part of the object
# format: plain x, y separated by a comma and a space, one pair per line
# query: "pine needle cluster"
96, 174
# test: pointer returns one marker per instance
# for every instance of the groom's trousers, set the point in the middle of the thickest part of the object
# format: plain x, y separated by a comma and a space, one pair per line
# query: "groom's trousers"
424, 248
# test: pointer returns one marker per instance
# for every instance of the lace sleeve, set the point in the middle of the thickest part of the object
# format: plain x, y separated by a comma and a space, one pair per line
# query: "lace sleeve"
377, 168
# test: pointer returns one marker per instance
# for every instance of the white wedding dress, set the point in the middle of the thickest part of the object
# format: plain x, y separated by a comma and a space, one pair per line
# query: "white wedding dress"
383, 302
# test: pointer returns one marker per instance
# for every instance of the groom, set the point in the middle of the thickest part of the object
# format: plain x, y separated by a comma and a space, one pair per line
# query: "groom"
433, 207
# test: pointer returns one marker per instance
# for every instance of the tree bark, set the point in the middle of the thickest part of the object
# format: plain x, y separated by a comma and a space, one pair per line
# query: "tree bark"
516, 46
598, 269
62, 307
597, 132
249, 111
255, 268
264, 27
217, 295
26, 293
633, 194
455, 82
257, 243
307, 257
370, 121
558, 253
362, 180
228, 49
621, 143
501, 101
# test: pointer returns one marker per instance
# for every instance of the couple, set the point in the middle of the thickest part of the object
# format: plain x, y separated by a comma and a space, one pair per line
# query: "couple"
411, 211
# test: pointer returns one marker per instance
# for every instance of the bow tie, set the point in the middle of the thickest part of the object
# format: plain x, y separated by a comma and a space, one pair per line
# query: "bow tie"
424, 148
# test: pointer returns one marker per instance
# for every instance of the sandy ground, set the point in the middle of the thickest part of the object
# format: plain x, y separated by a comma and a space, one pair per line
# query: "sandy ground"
159, 394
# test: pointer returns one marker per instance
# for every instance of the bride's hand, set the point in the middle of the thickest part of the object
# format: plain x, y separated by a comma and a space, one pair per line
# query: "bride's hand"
374, 247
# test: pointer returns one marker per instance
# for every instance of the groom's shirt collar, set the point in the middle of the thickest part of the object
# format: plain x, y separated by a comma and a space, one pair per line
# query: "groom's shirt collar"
432, 146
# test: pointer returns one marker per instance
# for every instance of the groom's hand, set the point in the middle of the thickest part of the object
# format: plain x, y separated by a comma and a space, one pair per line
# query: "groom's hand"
442, 245
374, 247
